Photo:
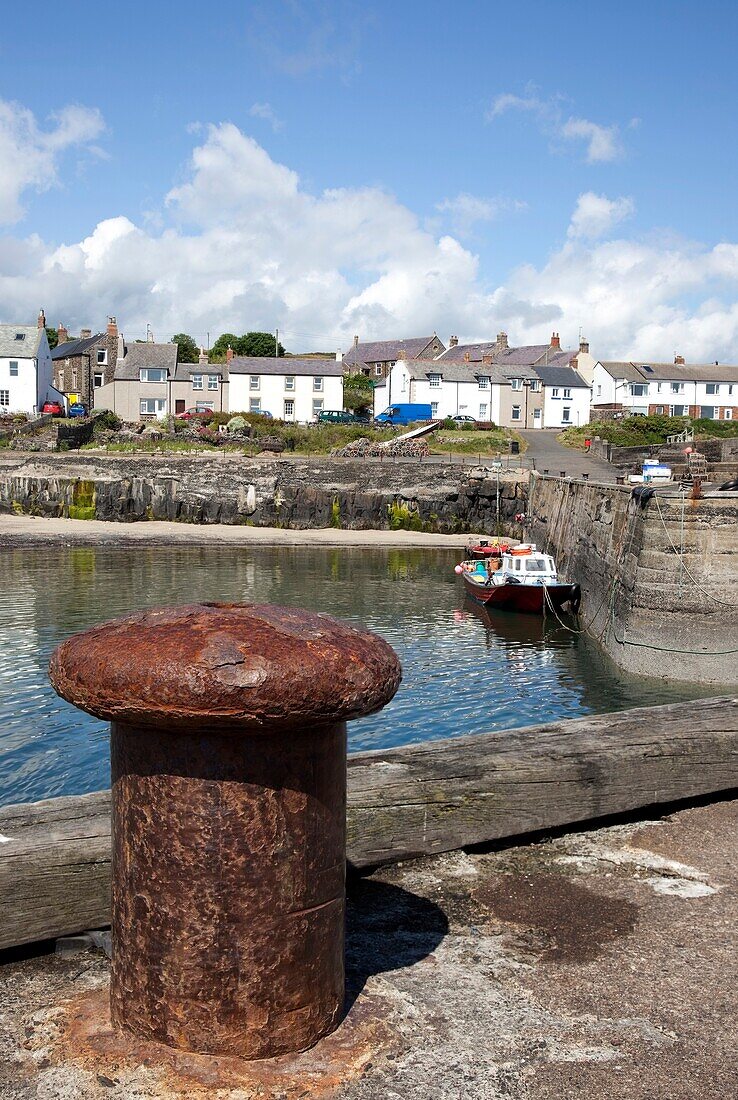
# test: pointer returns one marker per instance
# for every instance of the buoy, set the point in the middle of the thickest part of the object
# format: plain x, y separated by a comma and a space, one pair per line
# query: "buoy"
458, 569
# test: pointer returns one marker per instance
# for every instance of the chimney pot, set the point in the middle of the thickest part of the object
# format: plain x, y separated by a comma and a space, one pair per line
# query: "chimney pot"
584, 346
202, 357
112, 327
679, 360
487, 360
502, 339
85, 333
62, 334
229, 354
453, 341
555, 342
41, 319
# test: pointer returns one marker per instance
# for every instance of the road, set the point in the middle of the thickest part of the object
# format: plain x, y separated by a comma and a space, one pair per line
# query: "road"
545, 449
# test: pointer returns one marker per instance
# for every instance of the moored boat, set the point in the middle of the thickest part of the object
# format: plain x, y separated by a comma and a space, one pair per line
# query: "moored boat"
479, 549
521, 578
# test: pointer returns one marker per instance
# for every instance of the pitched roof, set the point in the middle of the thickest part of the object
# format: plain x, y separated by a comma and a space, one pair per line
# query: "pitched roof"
561, 376
24, 348
161, 356
672, 372
75, 347
382, 351
185, 371
254, 364
475, 352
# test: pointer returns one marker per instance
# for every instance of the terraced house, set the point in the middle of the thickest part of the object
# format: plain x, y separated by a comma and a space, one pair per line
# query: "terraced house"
85, 364
698, 390
376, 359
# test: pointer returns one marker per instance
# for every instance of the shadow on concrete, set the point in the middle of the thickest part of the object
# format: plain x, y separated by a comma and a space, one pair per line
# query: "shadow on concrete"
387, 928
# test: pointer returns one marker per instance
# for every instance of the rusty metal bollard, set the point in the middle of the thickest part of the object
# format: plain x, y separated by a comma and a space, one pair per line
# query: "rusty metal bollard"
228, 750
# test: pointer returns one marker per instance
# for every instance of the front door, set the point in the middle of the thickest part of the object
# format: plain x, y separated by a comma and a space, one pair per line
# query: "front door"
289, 409
537, 418
179, 406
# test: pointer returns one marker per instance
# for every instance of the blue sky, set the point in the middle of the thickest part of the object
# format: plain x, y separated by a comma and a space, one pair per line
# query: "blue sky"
385, 168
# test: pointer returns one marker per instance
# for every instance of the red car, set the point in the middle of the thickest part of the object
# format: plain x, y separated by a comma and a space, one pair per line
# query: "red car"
54, 408
199, 414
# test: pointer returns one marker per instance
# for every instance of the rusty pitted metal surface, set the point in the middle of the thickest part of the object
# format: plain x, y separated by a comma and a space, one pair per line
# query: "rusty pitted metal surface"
243, 665
228, 750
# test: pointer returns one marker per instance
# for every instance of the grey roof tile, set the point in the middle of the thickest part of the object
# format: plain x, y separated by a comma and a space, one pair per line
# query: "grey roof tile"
561, 376
162, 356
383, 351
672, 372
25, 348
252, 364
76, 347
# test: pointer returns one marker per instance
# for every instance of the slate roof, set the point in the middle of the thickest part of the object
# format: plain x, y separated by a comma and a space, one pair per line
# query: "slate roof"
561, 376
185, 371
71, 348
146, 355
22, 349
475, 351
253, 364
383, 351
672, 372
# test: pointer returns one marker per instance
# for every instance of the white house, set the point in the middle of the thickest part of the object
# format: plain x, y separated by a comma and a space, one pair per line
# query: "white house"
707, 391
25, 368
450, 389
290, 389
566, 397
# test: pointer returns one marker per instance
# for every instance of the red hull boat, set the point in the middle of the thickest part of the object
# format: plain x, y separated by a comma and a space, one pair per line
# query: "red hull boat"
524, 597
519, 579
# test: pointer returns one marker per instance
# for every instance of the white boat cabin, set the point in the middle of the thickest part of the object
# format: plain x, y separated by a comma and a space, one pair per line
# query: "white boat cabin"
522, 565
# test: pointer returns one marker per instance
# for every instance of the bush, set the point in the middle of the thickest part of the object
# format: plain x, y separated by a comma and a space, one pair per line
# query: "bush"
108, 419
449, 425
631, 431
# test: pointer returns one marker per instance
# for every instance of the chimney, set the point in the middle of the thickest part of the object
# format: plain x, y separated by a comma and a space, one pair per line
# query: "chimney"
112, 328
679, 360
41, 319
453, 341
62, 333
574, 363
487, 360
202, 357
229, 354
502, 340
339, 355
555, 342
85, 333
356, 342
583, 346
467, 357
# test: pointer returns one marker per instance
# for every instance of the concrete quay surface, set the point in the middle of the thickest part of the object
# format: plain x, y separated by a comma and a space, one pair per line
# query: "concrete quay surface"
595, 964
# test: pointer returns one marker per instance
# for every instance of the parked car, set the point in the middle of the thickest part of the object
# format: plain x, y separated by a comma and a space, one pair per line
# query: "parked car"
333, 416
461, 419
77, 409
200, 414
53, 407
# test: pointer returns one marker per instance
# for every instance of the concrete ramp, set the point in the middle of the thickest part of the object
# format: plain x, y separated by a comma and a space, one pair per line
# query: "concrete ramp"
418, 433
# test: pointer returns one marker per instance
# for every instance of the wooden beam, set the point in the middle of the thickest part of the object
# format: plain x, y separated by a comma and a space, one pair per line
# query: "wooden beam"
404, 802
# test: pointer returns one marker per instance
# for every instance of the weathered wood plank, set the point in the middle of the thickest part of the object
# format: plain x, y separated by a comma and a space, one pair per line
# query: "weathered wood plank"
432, 797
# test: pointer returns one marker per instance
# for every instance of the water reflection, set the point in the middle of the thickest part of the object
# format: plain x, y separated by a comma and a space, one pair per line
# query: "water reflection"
465, 669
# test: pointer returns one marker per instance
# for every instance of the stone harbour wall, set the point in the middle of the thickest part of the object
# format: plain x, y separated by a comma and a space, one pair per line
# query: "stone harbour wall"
289, 493
659, 581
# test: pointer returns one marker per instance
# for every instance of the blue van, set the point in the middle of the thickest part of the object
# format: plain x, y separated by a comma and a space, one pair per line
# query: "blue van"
404, 414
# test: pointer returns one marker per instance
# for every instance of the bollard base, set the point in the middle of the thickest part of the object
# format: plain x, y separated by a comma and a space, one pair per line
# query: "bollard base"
89, 1041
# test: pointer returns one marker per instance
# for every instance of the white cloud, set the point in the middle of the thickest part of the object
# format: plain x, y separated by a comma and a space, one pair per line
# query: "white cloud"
266, 112
603, 143
245, 246
465, 210
595, 215
29, 155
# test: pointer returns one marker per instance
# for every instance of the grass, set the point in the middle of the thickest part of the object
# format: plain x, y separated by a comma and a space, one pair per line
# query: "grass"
474, 442
639, 431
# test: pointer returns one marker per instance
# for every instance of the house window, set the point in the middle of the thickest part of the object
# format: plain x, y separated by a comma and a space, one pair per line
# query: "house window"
20, 335
566, 415
730, 389
482, 411
516, 383
97, 379
152, 374
13, 369
636, 390
599, 391
727, 414
74, 378
658, 387
212, 381
289, 410
515, 414
535, 386
255, 404
659, 410
318, 386
197, 381
677, 410
434, 381
253, 381
434, 410
152, 406
677, 387
317, 405
378, 369
403, 384
102, 357
707, 412
712, 388
289, 382
567, 394
5, 398
555, 391
483, 382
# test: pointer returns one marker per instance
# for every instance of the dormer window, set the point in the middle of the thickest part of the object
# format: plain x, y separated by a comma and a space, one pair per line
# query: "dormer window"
152, 374
516, 383
434, 381
484, 381
20, 335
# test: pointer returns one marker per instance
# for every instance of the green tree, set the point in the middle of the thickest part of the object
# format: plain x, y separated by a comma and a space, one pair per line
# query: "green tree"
258, 343
53, 337
187, 349
220, 347
358, 392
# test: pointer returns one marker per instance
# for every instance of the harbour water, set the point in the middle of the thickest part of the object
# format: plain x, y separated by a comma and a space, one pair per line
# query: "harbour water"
465, 670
